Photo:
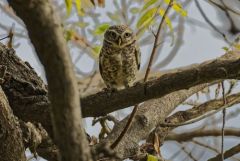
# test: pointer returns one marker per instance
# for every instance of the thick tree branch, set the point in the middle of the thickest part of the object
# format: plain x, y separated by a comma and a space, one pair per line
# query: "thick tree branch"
29, 100
190, 116
46, 34
188, 136
100, 103
200, 112
146, 119
37, 140
225, 67
26, 92
11, 139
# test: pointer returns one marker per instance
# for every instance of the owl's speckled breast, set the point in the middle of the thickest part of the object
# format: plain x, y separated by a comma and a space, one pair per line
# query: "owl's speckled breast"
119, 58
119, 66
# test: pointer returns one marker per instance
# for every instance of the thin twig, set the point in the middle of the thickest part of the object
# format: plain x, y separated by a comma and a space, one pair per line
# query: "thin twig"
229, 153
156, 42
11, 36
10, 13
205, 146
223, 119
90, 81
4, 37
189, 154
224, 8
209, 22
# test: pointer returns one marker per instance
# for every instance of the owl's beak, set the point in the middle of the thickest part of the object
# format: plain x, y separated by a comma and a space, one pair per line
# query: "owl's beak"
119, 41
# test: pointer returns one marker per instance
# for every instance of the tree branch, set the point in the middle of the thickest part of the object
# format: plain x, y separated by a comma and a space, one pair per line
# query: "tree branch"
11, 147
188, 136
227, 154
200, 112
46, 34
225, 67
146, 119
37, 140
28, 96
99, 104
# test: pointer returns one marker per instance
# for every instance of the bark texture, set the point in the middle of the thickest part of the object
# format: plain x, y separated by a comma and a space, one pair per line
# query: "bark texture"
11, 140
26, 92
225, 67
46, 34
149, 114
29, 97
33, 105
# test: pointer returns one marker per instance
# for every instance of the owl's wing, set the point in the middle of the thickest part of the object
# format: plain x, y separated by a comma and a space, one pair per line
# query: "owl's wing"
138, 56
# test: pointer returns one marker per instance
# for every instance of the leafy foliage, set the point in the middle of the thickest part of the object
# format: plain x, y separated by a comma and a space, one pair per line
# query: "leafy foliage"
150, 13
178, 8
148, 4
68, 6
167, 19
101, 29
79, 7
138, 14
146, 18
96, 50
151, 158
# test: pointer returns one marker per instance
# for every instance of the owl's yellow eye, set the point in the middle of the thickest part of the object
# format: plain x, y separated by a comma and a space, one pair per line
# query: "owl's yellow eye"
127, 34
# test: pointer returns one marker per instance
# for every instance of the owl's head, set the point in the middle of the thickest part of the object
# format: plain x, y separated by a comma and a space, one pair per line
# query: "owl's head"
119, 35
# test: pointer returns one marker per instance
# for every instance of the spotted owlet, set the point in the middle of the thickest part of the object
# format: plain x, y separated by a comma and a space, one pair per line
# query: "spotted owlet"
119, 58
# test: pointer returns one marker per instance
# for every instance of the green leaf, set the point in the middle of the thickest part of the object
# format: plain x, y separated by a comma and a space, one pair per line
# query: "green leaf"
167, 19
134, 10
151, 158
68, 6
96, 51
167, 1
146, 18
143, 29
101, 29
169, 24
148, 4
178, 8
82, 24
68, 35
79, 7
225, 48
113, 16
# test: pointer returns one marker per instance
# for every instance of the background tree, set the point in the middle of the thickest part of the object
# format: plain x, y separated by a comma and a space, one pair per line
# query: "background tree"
192, 95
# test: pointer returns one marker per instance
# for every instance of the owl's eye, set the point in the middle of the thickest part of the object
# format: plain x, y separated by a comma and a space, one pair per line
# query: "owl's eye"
127, 34
113, 35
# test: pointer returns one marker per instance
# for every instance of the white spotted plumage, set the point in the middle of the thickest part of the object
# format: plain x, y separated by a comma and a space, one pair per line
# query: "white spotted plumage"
119, 58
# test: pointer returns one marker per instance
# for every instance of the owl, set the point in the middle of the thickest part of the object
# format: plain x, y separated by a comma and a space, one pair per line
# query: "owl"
119, 58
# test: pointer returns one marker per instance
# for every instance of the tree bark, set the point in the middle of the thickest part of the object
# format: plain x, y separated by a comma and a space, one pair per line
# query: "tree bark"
46, 34
149, 115
28, 95
225, 67
11, 140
